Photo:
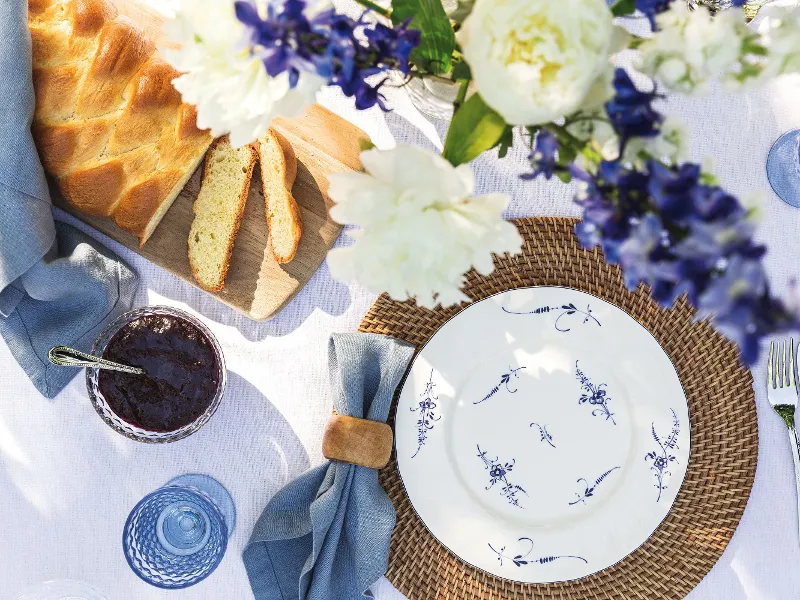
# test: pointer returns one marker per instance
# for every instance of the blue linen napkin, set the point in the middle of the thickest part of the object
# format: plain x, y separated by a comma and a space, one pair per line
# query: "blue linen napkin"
325, 536
57, 285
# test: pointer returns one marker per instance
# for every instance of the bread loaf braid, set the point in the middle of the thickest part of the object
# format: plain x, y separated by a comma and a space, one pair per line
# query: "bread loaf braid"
109, 125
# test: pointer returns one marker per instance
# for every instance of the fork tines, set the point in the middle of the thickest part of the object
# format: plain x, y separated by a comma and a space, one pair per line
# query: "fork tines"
780, 367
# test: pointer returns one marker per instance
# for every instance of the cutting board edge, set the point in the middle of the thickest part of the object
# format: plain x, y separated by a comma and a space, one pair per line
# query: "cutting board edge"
259, 319
61, 204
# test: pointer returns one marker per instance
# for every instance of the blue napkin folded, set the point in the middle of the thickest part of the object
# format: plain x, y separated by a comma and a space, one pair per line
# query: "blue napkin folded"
57, 285
325, 536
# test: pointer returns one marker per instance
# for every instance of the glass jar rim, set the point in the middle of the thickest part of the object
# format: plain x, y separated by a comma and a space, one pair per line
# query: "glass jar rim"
130, 430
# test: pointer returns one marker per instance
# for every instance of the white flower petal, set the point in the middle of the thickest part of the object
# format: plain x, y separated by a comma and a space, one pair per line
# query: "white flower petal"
693, 46
229, 86
420, 233
535, 60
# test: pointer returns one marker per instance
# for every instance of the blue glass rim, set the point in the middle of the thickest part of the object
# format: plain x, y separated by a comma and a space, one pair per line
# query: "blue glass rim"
783, 167
218, 560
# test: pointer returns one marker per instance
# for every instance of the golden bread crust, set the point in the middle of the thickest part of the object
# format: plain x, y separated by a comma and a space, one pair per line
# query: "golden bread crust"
88, 190
288, 166
142, 200
65, 147
108, 123
89, 16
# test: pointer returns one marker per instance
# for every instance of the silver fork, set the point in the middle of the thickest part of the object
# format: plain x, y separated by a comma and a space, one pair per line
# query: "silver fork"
782, 395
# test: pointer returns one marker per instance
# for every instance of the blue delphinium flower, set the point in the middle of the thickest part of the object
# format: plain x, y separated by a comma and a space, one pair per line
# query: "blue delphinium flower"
666, 226
348, 62
742, 279
338, 48
636, 252
711, 242
630, 111
281, 39
543, 155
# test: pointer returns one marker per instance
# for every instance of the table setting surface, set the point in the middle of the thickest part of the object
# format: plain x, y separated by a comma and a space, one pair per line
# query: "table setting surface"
68, 482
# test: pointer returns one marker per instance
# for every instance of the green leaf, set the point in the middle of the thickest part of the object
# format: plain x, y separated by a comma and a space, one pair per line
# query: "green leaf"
438, 38
620, 8
505, 142
365, 144
708, 179
461, 71
475, 127
532, 131
462, 10
564, 176
751, 45
566, 153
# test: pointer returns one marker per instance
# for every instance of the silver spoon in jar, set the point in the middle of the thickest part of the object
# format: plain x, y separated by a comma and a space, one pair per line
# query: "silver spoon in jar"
64, 356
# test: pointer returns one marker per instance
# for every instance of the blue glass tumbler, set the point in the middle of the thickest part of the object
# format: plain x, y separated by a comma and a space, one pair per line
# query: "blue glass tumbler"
177, 535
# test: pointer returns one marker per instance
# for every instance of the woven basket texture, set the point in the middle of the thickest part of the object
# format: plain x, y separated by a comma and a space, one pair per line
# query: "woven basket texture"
724, 437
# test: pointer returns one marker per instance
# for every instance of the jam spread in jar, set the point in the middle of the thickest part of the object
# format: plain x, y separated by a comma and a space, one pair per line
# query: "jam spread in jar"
182, 373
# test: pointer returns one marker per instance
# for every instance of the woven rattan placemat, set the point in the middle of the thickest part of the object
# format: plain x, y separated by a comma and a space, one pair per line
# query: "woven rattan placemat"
724, 438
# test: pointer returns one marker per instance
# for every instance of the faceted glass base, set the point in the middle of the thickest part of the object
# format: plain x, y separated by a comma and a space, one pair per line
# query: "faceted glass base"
176, 536
214, 490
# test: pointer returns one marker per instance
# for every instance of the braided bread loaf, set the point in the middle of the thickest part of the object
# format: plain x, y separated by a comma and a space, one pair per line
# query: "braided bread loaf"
108, 123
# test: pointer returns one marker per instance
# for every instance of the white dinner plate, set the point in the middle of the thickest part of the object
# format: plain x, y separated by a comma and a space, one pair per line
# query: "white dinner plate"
542, 434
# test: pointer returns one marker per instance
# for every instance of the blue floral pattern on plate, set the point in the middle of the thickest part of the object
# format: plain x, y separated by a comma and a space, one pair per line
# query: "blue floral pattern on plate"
544, 435
498, 473
427, 416
505, 380
562, 439
589, 491
663, 457
520, 560
565, 310
595, 395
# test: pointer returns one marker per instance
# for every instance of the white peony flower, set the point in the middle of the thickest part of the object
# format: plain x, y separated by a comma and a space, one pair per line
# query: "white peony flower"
535, 60
421, 229
693, 46
230, 88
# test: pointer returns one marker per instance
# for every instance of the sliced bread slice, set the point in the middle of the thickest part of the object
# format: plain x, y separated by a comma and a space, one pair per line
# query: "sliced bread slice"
218, 211
278, 170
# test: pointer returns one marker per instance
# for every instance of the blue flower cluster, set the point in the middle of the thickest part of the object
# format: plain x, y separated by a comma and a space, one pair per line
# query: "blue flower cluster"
344, 51
631, 111
668, 227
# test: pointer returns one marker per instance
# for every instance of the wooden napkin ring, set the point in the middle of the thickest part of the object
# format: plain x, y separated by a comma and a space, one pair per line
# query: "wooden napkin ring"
358, 441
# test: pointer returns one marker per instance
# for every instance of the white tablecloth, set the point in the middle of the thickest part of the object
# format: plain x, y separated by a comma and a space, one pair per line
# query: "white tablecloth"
68, 482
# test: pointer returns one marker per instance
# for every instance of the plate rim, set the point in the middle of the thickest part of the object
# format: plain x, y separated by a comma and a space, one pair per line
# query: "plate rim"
399, 391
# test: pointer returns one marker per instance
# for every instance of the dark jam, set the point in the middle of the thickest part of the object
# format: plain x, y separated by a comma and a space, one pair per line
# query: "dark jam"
182, 373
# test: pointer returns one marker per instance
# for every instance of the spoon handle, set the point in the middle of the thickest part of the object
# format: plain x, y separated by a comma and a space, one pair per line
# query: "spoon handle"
64, 356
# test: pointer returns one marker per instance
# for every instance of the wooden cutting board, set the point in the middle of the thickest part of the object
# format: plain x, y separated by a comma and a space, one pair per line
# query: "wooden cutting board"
256, 285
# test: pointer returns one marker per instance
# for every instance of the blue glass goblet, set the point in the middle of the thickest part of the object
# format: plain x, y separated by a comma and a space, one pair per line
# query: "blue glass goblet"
177, 535
783, 167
